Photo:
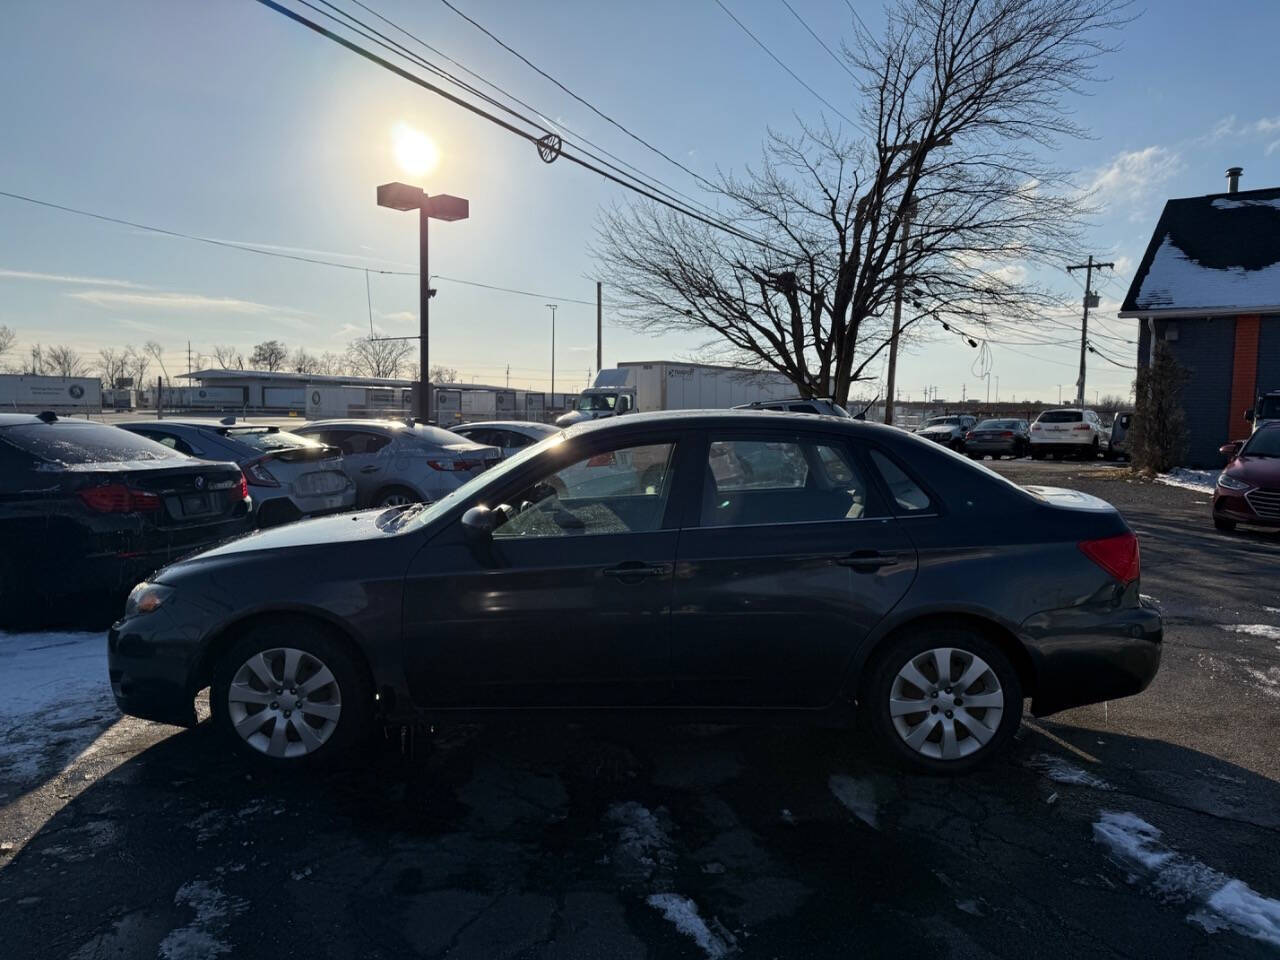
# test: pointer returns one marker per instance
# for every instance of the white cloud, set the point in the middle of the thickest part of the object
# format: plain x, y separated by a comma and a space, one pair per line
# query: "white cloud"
66, 278
1267, 125
177, 302
1132, 174
399, 316
1272, 147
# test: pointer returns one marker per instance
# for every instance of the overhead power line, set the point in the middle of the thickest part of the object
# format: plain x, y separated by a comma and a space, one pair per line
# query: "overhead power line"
511, 128
249, 248
822, 43
776, 59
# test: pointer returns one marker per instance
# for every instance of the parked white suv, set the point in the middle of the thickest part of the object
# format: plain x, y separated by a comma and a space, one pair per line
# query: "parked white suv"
1062, 432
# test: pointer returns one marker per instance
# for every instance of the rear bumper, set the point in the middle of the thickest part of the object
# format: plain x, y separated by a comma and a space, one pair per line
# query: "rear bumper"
1082, 655
992, 446
1077, 442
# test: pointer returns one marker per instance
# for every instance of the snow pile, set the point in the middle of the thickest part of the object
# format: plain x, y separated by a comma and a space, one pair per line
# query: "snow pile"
1175, 280
200, 939
1201, 481
858, 797
1268, 680
55, 698
1264, 630
1224, 903
1060, 771
643, 845
683, 912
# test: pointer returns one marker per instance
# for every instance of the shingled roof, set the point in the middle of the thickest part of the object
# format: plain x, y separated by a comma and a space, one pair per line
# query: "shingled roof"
1211, 256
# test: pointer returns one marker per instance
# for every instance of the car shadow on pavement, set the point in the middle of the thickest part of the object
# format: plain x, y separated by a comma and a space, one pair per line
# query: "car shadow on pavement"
645, 839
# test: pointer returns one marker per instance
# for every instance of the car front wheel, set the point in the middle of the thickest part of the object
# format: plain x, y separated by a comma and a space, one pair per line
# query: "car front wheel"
291, 695
943, 700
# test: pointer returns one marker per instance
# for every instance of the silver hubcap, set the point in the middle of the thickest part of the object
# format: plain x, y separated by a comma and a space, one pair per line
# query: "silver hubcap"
284, 702
946, 703
395, 500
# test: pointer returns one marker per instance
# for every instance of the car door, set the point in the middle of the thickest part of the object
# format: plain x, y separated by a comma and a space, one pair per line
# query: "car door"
364, 459
790, 561
569, 605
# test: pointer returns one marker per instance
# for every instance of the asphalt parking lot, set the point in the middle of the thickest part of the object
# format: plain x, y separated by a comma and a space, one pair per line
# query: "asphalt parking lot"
1148, 826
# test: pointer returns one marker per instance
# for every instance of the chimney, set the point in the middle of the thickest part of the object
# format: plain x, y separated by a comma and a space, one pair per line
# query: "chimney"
1233, 179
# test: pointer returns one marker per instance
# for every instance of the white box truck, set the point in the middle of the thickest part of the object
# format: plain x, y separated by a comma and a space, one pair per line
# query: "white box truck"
641, 387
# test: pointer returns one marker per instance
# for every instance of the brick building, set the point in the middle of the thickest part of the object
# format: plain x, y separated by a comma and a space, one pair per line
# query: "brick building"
1208, 287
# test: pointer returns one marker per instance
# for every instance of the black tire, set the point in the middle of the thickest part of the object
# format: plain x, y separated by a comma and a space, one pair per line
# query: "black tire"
879, 685
386, 494
1223, 524
1037, 454
354, 693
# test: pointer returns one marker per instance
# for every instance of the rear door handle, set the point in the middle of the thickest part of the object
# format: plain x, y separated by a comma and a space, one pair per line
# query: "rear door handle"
633, 571
867, 561
370, 469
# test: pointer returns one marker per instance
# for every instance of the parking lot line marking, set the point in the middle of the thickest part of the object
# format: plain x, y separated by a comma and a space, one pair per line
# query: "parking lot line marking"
1060, 742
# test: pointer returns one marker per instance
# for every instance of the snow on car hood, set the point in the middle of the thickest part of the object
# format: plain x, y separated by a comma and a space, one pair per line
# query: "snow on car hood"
336, 528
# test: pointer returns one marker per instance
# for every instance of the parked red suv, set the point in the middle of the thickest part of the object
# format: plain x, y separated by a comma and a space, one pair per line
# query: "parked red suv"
1248, 490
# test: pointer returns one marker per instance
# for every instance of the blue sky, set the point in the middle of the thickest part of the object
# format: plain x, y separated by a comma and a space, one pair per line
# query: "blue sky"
223, 119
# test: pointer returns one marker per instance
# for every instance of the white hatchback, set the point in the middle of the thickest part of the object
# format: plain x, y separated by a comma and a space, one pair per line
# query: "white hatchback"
1060, 432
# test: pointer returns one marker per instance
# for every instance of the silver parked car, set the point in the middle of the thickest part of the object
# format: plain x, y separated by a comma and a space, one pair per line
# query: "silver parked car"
289, 476
511, 436
394, 462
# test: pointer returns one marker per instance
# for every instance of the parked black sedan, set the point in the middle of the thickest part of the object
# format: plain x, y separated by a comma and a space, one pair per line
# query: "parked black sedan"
87, 508
998, 438
866, 571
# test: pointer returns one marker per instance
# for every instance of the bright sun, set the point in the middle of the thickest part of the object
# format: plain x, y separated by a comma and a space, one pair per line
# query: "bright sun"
416, 153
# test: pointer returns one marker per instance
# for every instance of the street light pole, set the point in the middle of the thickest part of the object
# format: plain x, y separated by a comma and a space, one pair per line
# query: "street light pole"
552, 307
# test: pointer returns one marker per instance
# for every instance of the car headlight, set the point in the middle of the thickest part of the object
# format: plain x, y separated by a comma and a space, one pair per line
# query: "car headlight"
145, 598
1227, 482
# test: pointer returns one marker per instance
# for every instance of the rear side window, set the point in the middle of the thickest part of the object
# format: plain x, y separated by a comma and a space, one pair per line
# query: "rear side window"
749, 482
168, 440
907, 495
74, 443
356, 442
1061, 416
803, 408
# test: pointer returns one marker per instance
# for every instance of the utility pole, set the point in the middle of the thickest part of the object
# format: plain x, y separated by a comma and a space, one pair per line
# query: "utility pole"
508, 375
599, 328
188, 361
552, 307
897, 307
1090, 300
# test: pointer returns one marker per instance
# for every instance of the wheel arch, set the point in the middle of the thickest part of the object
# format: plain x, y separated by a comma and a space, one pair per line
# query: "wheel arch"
993, 630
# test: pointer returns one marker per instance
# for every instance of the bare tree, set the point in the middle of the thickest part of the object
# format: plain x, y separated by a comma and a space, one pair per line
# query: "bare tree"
7, 337
438, 373
302, 362
137, 363
373, 357
65, 361
269, 355
945, 192
228, 357
112, 365
1111, 404
153, 350
330, 364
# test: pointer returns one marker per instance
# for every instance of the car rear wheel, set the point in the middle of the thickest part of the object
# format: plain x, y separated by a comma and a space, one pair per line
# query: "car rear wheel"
1037, 454
943, 700
1223, 524
290, 695
395, 497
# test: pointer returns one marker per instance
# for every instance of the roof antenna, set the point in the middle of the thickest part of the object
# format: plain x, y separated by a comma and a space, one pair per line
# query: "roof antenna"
1233, 179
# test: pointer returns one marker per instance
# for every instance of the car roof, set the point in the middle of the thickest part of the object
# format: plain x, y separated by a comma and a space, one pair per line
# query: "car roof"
355, 423
548, 428
15, 419
766, 419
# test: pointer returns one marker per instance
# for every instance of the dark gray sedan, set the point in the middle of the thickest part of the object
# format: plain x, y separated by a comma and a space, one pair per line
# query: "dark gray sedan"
998, 438
754, 565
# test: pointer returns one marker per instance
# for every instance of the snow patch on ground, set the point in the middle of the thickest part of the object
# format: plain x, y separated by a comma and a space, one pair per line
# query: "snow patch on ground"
683, 913
1264, 630
1222, 902
643, 844
55, 698
1060, 771
201, 938
858, 797
1268, 680
1202, 481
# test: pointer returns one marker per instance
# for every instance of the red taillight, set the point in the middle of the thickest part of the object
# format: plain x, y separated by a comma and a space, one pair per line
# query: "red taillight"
1035, 426
256, 473
1081, 426
244, 488
969, 435
1007, 433
601, 460
1117, 555
117, 498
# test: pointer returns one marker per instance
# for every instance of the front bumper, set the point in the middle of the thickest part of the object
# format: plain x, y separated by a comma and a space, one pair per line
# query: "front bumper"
1234, 506
1084, 655
149, 661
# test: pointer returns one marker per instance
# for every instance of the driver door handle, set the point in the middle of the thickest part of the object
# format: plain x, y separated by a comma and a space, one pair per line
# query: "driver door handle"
867, 561
633, 571
371, 468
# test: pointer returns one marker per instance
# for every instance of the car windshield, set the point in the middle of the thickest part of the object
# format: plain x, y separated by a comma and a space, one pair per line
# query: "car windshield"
267, 441
943, 422
1269, 408
593, 402
997, 425
1264, 443
81, 442
442, 506
1061, 416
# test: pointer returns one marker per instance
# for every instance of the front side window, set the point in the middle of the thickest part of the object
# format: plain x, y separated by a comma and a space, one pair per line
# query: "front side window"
356, 442
765, 481
616, 491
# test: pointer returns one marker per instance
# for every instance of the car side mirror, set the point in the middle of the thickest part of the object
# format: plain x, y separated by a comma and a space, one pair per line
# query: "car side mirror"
1248, 415
1231, 450
478, 525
